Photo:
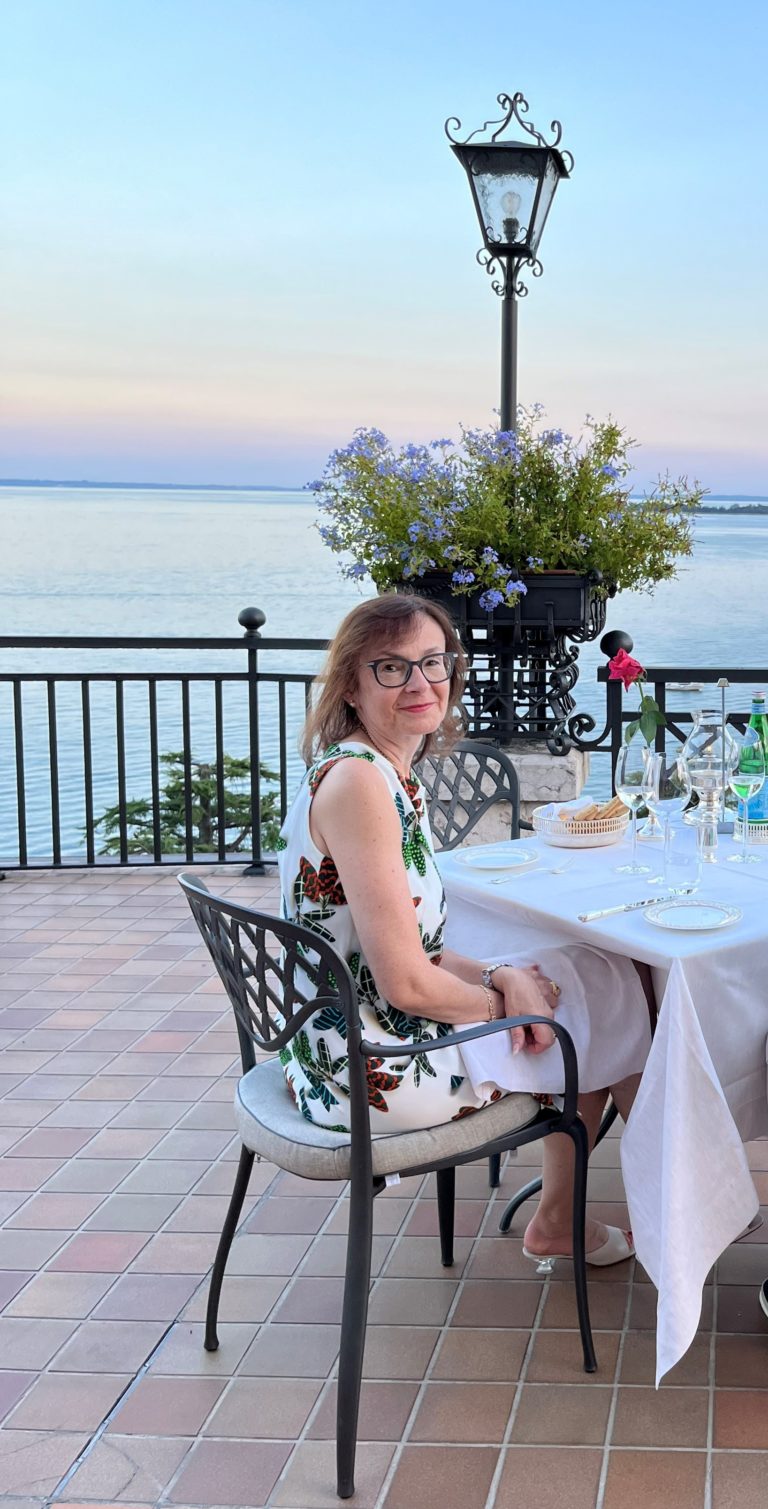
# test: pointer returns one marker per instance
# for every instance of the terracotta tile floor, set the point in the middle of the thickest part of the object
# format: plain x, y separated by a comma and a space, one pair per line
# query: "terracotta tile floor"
117, 1068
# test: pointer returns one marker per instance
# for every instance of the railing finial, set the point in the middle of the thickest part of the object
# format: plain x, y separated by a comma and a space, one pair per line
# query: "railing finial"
252, 620
615, 640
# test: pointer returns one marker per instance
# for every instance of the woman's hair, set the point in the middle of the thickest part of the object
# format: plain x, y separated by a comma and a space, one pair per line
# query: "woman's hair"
380, 623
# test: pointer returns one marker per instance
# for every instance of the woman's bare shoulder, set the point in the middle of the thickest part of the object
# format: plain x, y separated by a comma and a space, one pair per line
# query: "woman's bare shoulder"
354, 776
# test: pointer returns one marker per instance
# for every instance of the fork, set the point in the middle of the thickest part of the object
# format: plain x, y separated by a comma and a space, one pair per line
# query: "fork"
553, 870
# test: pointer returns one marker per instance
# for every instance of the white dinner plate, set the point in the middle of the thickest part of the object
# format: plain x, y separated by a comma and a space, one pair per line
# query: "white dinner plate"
509, 856
692, 916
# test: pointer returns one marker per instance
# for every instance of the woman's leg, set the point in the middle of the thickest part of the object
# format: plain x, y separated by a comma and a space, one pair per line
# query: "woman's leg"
550, 1228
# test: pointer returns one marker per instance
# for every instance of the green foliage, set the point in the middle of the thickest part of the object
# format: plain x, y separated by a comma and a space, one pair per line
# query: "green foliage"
501, 506
205, 811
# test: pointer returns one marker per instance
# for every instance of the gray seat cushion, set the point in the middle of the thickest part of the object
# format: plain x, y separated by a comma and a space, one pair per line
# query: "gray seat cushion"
270, 1125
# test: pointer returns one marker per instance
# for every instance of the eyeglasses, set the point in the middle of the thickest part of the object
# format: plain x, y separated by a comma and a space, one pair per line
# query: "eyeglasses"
395, 670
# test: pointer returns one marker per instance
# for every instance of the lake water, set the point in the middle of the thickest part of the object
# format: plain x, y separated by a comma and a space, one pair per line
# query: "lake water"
128, 562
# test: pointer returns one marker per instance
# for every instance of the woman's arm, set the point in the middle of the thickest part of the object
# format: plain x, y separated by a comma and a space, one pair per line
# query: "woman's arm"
525, 991
354, 820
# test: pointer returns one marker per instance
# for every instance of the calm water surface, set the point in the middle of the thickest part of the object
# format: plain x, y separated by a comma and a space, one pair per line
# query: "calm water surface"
129, 562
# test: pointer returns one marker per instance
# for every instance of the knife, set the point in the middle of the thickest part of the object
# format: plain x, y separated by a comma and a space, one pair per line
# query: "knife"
631, 906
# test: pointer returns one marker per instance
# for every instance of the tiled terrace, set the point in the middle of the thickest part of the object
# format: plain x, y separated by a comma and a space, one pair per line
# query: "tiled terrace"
118, 1059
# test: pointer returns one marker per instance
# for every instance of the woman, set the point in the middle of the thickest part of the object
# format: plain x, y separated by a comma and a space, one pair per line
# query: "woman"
357, 866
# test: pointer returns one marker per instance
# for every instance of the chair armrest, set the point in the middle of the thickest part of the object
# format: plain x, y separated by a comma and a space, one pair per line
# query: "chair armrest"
485, 1029
523, 823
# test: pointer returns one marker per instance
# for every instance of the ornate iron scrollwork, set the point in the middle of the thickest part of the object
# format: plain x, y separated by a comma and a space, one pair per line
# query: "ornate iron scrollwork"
507, 279
515, 107
520, 685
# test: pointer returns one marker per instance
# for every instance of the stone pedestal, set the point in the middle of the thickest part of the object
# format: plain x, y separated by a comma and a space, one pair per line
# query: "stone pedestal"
543, 777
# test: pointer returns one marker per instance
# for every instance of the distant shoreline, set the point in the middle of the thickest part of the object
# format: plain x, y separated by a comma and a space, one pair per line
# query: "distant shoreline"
754, 503
161, 487
758, 507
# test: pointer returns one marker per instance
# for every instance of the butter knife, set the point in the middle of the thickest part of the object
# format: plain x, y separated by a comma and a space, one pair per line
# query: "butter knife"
632, 906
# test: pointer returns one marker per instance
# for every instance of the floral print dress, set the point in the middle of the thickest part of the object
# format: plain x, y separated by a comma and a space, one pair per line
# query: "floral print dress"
403, 1093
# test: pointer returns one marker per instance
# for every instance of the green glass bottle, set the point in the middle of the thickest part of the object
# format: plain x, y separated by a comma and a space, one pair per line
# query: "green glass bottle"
758, 806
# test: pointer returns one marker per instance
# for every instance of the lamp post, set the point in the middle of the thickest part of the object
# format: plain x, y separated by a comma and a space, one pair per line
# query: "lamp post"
513, 184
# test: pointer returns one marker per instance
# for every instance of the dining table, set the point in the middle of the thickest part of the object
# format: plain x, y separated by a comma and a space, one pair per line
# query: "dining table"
702, 1095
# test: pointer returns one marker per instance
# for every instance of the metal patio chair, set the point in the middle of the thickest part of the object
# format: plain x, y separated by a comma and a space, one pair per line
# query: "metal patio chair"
277, 975
461, 786
464, 784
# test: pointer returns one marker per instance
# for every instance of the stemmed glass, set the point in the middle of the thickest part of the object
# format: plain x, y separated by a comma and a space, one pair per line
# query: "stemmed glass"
667, 789
711, 754
745, 780
630, 778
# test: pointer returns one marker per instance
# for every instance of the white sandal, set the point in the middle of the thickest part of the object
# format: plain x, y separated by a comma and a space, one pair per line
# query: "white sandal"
617, 1247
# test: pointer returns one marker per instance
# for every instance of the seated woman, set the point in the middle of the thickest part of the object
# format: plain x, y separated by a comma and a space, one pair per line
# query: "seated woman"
357, 865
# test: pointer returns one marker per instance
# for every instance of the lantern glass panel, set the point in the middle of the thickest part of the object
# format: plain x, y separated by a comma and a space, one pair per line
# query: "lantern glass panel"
506, 193
551, 180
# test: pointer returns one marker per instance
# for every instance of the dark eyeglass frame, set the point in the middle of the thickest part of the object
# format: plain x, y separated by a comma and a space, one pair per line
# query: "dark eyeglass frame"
443, 655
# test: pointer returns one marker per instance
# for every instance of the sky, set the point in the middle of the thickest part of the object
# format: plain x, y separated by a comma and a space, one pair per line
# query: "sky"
233, 231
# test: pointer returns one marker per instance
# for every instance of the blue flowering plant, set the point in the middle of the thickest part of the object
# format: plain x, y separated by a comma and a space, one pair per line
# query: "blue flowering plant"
500, 506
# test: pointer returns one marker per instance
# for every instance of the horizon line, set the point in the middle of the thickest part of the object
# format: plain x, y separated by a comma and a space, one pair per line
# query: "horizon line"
256, 487
228, 487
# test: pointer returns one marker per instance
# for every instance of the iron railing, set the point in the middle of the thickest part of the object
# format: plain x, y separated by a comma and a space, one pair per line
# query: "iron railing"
83, 763
715, 681
53, 779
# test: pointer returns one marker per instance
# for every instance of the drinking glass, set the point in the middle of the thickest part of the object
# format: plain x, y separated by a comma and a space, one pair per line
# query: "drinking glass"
667, 789
745, 780
710, 752
630, 778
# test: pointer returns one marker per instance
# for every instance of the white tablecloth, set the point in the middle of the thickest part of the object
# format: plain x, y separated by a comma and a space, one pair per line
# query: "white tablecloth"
703, 1092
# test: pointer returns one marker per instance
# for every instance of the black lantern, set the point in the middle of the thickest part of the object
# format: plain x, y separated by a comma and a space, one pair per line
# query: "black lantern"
513, 184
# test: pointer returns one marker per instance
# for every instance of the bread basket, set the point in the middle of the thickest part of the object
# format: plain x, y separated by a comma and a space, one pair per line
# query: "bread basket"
593, 833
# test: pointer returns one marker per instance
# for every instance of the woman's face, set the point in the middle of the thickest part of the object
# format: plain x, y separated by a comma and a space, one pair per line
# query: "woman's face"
400, 717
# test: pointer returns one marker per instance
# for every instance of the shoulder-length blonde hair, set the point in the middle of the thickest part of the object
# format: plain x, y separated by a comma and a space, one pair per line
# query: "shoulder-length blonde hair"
380, 623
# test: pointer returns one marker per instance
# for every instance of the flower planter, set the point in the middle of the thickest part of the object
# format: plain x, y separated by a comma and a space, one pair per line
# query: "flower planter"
522, 666
558, 602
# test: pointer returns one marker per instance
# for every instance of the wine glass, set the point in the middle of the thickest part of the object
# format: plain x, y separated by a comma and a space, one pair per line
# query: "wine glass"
745, 780
667, 789
630, 777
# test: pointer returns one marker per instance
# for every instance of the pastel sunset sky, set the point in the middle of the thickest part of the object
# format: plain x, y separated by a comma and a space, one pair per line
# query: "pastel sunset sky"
234, 231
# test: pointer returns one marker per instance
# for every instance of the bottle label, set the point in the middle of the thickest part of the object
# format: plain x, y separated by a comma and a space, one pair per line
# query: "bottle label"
758, 805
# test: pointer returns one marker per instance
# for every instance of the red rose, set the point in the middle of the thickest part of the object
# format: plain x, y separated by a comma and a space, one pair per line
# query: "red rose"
624, 668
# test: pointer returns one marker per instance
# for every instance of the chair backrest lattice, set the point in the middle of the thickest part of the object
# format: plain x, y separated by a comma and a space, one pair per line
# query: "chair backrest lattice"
465, 783
277, 974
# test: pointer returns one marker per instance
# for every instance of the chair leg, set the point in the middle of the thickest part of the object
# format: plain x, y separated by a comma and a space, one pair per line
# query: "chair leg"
354, 1316
446, 1207
494, 1170
609, 1116
225, 1242
511, 1209
534, 1187
578, 1134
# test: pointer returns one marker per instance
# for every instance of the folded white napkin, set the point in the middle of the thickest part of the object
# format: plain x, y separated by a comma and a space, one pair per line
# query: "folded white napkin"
552, 808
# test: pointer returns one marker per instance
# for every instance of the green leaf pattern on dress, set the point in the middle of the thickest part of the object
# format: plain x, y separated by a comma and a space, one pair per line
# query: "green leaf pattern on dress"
316, 1059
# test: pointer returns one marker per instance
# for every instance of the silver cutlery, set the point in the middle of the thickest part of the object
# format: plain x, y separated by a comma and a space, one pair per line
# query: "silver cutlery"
554, 870
632, 906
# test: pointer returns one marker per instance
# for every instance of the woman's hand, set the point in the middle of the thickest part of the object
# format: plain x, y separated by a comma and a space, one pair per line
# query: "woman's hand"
526, 992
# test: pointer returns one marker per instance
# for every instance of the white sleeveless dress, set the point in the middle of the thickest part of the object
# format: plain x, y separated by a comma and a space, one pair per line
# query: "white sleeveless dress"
408, 1093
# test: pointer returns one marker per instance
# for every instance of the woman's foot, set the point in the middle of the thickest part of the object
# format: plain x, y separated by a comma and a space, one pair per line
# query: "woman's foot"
604, 1244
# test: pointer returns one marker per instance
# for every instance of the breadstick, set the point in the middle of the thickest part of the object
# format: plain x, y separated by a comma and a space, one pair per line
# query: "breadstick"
611, 808
606, 811
585, 816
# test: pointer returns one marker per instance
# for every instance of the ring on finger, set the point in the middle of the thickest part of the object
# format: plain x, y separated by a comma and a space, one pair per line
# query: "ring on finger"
554, 988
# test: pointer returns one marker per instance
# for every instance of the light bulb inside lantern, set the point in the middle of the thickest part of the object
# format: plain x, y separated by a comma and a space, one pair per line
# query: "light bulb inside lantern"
510, 204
